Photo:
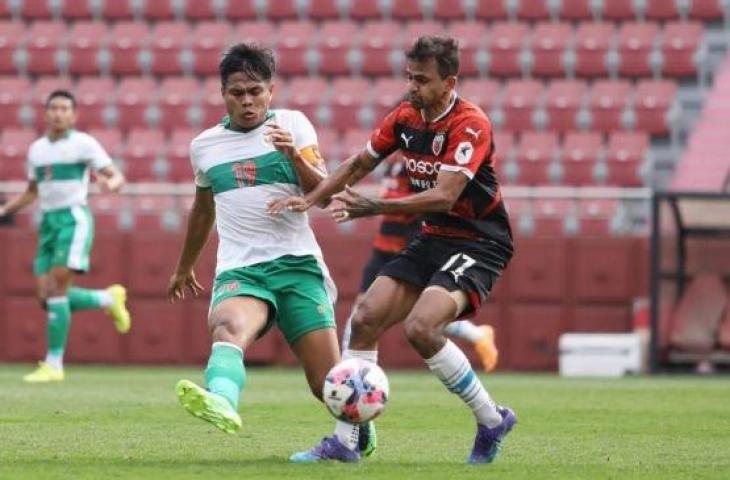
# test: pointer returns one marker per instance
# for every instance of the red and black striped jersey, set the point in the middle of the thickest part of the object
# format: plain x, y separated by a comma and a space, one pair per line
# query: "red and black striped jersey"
396, 230
459, 140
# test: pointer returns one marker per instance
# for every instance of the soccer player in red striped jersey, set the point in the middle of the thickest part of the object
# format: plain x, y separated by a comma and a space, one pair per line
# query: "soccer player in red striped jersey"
465, 243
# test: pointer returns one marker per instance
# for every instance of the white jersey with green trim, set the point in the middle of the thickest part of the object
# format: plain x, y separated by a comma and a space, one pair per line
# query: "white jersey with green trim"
61, 168
246, 172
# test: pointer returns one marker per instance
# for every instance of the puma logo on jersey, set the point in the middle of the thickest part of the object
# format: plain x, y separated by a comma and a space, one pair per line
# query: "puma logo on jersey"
406, 139
471, 131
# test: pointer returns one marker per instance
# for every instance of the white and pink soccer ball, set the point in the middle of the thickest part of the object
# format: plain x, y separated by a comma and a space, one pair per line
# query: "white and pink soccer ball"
356, 391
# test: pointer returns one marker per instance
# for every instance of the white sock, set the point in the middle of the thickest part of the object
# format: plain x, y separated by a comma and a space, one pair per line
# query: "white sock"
464, 329
367, 355
453, 369
347, 433
54, 361
105, 299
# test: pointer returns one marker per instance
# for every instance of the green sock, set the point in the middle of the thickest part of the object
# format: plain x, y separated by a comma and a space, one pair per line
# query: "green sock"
86, 299
59, 321
225, 374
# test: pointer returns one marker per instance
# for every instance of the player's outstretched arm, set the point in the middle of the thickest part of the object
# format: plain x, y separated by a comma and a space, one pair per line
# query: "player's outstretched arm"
19, 203
200, 221
441, 198
349, 172
110, 179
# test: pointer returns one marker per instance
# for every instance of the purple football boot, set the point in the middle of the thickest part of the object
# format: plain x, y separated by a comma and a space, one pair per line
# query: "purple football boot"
489, 440
330, 448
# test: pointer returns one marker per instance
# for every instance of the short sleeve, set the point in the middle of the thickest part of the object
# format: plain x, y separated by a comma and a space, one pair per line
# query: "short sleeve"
29, 166
383, 141
199, 176
470, 145
96, 155
305, 138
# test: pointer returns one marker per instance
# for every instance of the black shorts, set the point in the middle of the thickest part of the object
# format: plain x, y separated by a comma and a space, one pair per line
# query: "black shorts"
377, 261
472, 266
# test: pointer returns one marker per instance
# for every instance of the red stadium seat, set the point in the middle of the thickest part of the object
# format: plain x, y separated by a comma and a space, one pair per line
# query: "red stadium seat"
282, 10
14, 94
620, 10
328, 141
127, 39
635, 43
504, 145
11, 35
389, 92
5, 11
144, 148
576, 10
449, 10
581, 151
550, 215
417, 29
79, 9
349, 96
178, 154
159, 10
563, 100
354, 141
36, 10
520, 99
43, 87
306, 95
293, 42
482, 92
201, 10
118, 10
324, 10
336, 41
595, 216
491, 10
607, 102
262, 33
534, 155
241, 10
592, 42
549, 41
93, 97
653, 100
168, 41
679, 46
471, 37
506, 43
625, 156
209, 40
365, 10
661, 10
85, 41
211, 102
177, 96
110, 139
533, 10
134, 97
706, 10
42, 44
14, 144
379, 39
407, 10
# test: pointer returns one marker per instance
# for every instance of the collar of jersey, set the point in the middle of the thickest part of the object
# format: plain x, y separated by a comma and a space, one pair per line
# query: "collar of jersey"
65, 135
452, 102
226, 122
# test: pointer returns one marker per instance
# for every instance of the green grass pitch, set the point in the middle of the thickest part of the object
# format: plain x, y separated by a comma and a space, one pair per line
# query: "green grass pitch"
126, 423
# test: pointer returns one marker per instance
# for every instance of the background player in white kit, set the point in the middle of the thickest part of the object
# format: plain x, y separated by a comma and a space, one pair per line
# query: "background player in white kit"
58, 175
269, 269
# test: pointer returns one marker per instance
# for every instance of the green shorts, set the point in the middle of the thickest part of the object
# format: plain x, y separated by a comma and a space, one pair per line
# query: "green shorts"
299, 293
65, 237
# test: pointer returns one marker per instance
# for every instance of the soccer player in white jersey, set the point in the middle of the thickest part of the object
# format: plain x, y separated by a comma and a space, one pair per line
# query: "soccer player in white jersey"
269, 268
58, 175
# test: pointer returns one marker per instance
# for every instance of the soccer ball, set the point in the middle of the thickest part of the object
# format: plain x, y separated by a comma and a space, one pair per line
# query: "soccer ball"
356, 391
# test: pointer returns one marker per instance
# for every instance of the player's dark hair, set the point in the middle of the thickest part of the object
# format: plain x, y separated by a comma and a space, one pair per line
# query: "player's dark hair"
444, 49
254, 61
61, 94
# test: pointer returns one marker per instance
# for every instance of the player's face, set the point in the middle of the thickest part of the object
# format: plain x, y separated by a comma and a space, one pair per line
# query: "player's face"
60, 114
247, 100
425, 86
